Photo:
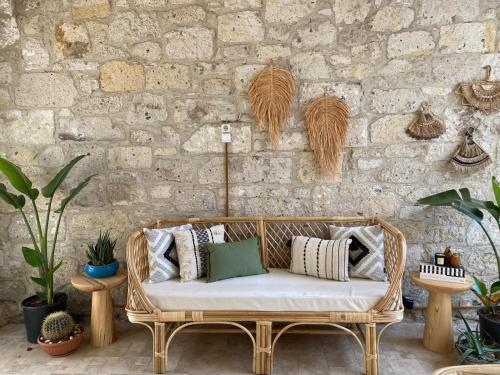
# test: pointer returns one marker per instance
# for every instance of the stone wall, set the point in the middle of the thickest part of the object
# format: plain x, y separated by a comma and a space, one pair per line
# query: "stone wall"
144, 85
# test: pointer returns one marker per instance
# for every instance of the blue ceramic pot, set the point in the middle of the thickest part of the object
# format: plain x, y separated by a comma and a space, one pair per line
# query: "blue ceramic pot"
99, 272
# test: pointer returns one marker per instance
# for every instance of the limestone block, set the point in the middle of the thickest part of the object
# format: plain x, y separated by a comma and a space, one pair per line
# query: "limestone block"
391, 129
176, 170
35, 55
312, 36
242, 27
31, 127
467, 37
288, 11
168, 76
217, 86
357, 133
151, 4
205, 110
395, 101
83, 9
186, 16
99, 105
356, 71
242, 4
243, 74
186, 200
51, 157
368, 52
435, 12
121, 76
147, 51
392, 19
72, 40
349, 12
275, 51
88, 129
146, 109
206, 140
135, 157
129, 27
189, 43
87, 225
403, 171
5, 72
345, 199
9, 32
309, 66
410, 44
45, 90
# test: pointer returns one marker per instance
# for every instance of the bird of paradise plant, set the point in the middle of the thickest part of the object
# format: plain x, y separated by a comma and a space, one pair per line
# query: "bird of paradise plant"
42, 255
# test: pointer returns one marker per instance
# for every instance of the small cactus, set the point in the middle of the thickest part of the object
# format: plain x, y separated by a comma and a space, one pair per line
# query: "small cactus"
57, 326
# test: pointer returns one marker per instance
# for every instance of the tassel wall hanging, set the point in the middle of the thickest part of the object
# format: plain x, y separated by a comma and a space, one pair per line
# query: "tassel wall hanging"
470, 157
426, 126
271, 92
326, 122
483, 95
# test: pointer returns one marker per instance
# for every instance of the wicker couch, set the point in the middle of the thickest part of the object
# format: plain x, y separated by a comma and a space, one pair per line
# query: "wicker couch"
264, 328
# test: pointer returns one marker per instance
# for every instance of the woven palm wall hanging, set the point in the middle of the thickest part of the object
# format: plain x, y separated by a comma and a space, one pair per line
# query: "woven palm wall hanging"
483, 95
271, 93
426, 125
470, 157
327, 122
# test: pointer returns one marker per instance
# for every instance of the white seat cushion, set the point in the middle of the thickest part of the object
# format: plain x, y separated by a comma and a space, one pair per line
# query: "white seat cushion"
279, 290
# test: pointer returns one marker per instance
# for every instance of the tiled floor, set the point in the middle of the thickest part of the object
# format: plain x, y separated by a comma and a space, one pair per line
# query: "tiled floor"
401, 353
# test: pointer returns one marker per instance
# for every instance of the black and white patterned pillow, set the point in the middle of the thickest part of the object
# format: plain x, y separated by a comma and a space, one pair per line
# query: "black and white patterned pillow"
325, 259
366, 252
162, 253
191, 250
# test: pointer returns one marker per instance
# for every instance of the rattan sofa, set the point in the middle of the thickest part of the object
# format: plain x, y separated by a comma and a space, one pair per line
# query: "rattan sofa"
264, 328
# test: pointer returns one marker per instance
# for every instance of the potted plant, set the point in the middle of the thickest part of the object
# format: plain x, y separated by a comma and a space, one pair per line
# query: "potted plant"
461, 200
42, 255
102, 262
60, 336
472, 349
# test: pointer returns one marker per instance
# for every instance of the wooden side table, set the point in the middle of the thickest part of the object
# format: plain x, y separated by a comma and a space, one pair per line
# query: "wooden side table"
438, 333
102, 324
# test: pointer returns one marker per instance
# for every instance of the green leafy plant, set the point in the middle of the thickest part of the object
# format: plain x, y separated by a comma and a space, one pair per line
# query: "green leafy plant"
57, 326
102, 251
40, 256
472, 349
462, 201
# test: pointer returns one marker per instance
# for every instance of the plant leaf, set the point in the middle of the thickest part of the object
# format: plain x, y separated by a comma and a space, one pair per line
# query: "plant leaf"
39, 281
445, 198
465, 194
73, 193
496, 189
18, 179
32, 257
474, 213
461, 359
50, 272
49, 190
489, 206
16, 201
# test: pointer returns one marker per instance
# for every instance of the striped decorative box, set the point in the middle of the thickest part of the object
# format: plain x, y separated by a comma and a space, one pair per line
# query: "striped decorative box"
440, 273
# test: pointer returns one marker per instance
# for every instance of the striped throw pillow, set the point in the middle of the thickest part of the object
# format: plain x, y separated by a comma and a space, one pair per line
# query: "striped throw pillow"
366, 253
325, 259
162, 254
191, 250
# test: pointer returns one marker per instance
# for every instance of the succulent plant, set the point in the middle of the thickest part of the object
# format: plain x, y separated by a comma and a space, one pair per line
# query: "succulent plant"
101, 252
57, 326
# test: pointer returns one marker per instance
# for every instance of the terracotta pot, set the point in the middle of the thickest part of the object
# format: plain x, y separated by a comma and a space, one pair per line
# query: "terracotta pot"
62, 348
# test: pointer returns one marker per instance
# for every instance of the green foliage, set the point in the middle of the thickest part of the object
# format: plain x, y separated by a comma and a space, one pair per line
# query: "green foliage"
57, 326
462, 201
102, 251
39, 256
471, 348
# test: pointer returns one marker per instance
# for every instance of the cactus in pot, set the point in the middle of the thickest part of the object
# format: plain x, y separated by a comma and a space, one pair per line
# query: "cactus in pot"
57, 326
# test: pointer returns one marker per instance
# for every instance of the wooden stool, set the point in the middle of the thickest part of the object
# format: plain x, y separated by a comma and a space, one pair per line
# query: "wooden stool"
438, 333
102, 324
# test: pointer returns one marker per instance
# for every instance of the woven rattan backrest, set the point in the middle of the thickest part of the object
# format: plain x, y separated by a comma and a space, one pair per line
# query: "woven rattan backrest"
234, 231
280, 231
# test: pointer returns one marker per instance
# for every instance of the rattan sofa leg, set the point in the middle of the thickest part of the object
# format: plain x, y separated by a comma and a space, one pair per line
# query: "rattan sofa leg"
159, 360
371, 349
263, 359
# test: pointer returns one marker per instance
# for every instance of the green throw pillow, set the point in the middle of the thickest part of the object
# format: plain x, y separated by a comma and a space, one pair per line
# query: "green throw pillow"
234, 259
